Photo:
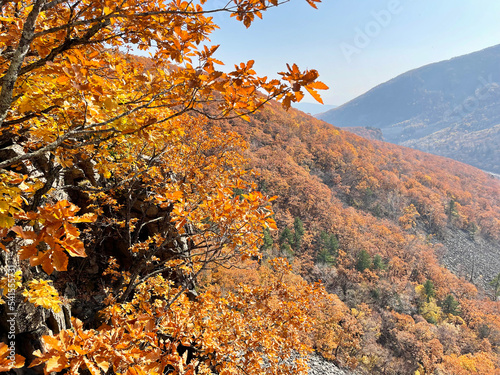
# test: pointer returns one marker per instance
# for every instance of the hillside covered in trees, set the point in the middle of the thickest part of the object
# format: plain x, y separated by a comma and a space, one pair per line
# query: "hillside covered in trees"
375, 222
154, 219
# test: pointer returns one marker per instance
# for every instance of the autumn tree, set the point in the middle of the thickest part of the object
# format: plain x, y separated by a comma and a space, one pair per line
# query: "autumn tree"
66, 82
105, 157
337, 334
229, 334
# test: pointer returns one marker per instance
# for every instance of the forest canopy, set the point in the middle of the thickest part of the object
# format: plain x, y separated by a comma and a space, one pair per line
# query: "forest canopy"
110, 167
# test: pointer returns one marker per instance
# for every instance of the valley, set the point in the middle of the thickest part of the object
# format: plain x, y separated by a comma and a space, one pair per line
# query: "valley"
450, 108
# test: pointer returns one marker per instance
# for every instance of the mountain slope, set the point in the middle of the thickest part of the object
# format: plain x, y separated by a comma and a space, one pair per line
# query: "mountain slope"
397, 214
374, 178
459, 98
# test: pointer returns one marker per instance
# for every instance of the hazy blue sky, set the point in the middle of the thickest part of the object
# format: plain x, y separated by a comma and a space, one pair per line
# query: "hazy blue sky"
357, 44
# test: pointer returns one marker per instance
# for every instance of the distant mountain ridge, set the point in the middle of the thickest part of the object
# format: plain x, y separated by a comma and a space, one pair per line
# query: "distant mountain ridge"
450, 108
313, 108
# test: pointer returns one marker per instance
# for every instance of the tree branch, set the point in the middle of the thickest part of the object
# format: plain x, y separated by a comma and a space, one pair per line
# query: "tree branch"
12, 74
30, 116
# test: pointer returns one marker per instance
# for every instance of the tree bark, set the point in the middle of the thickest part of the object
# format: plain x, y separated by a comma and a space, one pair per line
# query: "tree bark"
10, 77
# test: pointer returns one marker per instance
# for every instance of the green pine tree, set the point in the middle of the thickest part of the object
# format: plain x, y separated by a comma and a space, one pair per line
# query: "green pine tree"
286, 242
324, 257
268, 240
364, 261
298, 234
430, 291
378, 263
495, 283
452, 209
450, 305
328, 248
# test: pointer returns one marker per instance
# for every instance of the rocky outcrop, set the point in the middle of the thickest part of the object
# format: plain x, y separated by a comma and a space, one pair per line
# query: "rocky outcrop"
320, 366
474, 258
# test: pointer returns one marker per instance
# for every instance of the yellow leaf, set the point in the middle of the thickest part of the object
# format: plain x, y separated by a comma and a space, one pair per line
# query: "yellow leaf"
85, 218
41, 293
109, 104
102, 363
6, 221
56, 364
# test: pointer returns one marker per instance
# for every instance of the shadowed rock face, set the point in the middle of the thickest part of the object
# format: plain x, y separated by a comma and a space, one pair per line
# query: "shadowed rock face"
450, 108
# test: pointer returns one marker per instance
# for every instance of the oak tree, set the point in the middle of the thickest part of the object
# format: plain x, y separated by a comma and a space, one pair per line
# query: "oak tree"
106, 156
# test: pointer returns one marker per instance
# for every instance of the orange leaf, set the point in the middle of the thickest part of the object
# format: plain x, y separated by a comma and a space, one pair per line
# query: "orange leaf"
25, 235
319, 86
314, 94
56, 364
74, 247
28, 251
60, 260
86, 218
